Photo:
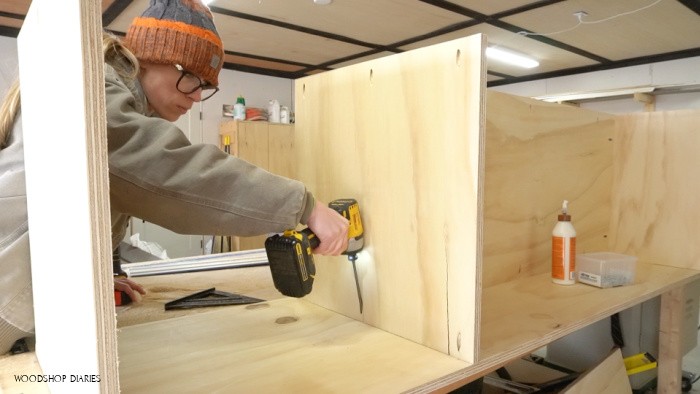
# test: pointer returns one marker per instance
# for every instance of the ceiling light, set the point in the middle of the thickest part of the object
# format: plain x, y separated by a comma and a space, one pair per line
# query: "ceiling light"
511, 57
323, 2
207, 2
558, 98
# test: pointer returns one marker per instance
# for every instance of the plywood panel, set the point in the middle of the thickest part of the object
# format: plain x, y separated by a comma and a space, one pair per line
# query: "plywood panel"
608, 377
655, 207
537, 155
402, 135
68, 196
285, 345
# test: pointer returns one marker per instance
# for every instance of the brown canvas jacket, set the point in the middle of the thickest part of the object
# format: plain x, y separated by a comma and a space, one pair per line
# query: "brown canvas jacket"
156, 174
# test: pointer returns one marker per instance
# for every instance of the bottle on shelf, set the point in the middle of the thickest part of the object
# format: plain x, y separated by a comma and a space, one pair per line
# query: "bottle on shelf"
239, 109
564, 249
273, 111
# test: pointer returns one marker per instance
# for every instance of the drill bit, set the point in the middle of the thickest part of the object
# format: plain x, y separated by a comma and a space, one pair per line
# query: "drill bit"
352, 258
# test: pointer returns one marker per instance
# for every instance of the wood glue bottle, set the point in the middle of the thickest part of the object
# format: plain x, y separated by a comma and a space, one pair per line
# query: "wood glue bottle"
564, 249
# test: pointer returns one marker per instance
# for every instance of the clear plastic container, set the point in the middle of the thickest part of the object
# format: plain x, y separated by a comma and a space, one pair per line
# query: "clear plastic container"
605, 269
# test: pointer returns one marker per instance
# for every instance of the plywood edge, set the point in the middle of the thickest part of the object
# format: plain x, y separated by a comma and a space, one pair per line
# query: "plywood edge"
464, 301
96, 126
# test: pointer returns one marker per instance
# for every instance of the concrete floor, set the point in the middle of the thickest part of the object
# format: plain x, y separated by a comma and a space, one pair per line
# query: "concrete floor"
691, 363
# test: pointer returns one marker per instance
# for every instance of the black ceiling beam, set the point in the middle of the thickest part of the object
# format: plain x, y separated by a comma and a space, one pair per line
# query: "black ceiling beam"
8, 31
260, 70
11, 15
293, 27
268, 59
495, 20
499, 75
114, 10
548, 41
691, 4
457, 9
116, 33
326, 65
436, 33
525, 8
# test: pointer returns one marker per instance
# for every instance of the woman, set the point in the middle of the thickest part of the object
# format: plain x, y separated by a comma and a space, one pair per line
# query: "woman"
170, 58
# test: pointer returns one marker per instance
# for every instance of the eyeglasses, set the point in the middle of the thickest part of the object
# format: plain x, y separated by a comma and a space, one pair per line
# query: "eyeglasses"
188, 83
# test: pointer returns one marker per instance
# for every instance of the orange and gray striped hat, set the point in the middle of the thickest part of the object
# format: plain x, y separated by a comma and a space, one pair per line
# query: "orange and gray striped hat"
178, 32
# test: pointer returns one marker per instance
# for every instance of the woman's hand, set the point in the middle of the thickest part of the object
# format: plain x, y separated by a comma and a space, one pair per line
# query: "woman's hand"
131, 288
330, 228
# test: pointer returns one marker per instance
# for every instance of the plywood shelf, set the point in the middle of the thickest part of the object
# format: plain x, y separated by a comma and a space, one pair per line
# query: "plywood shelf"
517, 318
522, 315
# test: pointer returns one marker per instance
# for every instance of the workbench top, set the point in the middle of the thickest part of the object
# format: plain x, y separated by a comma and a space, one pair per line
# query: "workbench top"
289, 343
241, 345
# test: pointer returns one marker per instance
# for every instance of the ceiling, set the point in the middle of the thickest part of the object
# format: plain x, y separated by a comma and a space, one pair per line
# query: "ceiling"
293, 38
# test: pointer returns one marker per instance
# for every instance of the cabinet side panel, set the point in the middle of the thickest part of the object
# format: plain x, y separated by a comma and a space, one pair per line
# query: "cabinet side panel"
537, 155
401, 134
68, 193
655, 210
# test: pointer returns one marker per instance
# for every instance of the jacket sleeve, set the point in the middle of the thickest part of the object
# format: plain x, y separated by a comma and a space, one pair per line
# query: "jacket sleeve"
156, 174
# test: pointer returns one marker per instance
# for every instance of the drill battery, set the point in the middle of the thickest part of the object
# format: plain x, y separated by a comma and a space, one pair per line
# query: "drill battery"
292, 262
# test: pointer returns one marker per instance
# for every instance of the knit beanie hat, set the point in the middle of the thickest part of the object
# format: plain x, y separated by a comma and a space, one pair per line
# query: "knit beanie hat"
178, 32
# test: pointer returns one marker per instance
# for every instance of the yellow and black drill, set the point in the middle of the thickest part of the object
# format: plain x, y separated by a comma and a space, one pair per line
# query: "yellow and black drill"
291, 258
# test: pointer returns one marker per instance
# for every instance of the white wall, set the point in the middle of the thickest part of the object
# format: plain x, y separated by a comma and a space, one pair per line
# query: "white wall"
8, 63
683, 72
257, 91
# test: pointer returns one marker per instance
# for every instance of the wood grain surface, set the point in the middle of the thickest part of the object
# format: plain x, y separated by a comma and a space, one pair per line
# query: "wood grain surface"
286, 345
656, 215
402, 135
537, 155
529, 311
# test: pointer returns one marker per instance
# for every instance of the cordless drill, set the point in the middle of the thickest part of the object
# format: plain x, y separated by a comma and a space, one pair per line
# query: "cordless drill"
291, 258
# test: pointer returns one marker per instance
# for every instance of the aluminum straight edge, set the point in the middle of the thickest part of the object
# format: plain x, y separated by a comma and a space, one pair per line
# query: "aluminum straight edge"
247, 258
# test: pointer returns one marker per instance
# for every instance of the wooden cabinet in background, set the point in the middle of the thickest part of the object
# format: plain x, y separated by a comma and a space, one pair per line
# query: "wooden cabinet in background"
267, 145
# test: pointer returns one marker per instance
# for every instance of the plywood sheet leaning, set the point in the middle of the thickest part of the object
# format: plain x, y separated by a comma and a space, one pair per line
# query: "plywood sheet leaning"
537, 155
64, 127
608, 377
402, 135
656, 215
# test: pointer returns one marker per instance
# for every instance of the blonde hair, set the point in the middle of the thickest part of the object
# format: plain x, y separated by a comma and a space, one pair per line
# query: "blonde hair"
8, 112
122, 59
112, 50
